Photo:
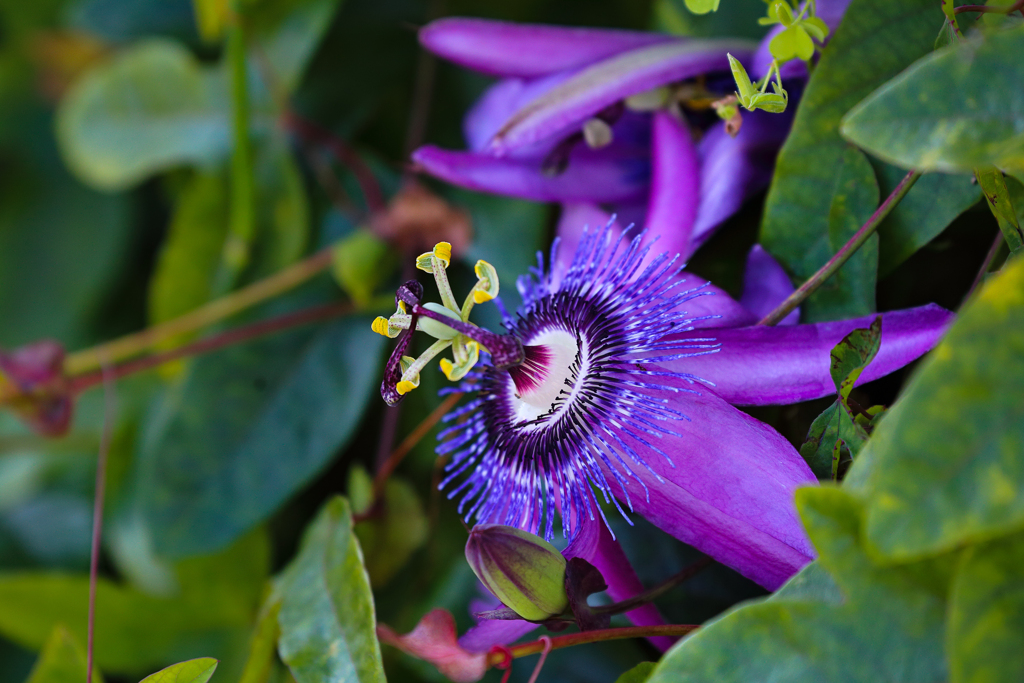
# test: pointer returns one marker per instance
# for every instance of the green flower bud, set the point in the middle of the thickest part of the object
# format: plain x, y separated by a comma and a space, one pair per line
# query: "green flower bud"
524, 571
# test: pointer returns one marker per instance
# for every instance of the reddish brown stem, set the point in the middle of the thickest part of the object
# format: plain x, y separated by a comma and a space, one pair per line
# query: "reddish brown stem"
408, 443
97, 516
315, 134
985, 8
497, 657
217, 341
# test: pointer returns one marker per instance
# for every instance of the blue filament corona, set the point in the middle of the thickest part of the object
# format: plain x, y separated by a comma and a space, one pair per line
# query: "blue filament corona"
597, 438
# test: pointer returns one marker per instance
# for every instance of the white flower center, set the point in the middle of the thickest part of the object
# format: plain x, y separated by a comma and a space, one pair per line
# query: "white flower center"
556, 380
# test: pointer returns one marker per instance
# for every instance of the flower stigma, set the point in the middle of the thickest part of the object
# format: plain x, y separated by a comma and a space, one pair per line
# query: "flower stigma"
446, 322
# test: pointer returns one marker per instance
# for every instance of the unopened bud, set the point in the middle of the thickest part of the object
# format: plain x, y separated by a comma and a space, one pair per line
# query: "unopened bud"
524, 571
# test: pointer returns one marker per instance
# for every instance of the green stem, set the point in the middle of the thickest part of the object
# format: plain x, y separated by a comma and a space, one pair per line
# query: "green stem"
498, 657
217, 310
841, 257
242, 225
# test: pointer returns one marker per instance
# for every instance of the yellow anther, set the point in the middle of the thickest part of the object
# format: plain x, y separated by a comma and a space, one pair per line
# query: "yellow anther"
380, 326
425, 262
447, 367
487, 286
456, 372
443, 253
404, 387
401, 307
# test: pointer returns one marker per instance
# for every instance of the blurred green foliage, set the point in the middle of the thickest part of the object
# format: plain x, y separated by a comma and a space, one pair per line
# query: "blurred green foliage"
115, 177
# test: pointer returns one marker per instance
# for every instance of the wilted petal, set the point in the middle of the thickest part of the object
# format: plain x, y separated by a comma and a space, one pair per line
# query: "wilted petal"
34, 374
503, 48
766, 285
675, 185
764, 365
734, 169
563, 109
435, 640
595, 544
609, 174
730, 491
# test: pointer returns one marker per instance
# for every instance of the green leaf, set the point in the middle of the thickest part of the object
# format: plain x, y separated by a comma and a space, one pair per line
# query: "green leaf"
834, 429
874, 42
672, 16
362, 262
248, 427
954, 110
135, 631
150, 108
190, 255
934, 201
993, 185
327, 617
943, 469
263, 644
62, 245
888, 626
282, 209
851, 291
638, 674
836, 432
702, 6
852, 354
191, 671
986, 614
390, 538
62, 660
290, 32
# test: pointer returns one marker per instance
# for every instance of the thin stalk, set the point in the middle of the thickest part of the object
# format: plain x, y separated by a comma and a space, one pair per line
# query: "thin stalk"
97, 517
841, 257
217, 310
647, 596
242, 222
990, 258
986, 8
408, 443
231, 337
501, 656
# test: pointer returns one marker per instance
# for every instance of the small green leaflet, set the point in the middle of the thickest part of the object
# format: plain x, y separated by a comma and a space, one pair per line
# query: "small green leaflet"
838, 432
191, 671
702, 6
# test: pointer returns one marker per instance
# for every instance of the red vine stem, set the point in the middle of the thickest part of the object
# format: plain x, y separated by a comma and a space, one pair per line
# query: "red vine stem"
844, 253
97, 515
499, 656
237, 335
985, 8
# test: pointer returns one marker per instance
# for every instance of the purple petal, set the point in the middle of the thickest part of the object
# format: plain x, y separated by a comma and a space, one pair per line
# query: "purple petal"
609, 174
500, 102
675, 185
491, 632
766, 285
829, 11
575, 217
563, 109
763, 365
503, 48
728, 490
734, 169
595, 544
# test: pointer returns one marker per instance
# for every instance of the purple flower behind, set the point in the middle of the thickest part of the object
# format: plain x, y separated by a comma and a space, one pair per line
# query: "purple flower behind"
673, 170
